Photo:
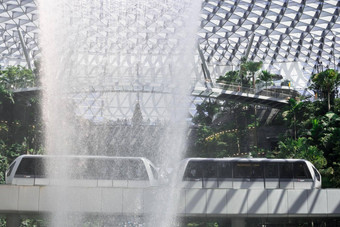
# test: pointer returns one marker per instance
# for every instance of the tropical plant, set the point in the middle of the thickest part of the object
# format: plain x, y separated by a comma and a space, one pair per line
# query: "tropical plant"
301, 149
16, 77
326, 82
229, 77
206, 112
265, 76
252, 68
290, 114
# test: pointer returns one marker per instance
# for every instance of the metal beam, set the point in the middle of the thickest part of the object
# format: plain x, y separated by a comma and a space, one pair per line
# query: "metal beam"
24, 48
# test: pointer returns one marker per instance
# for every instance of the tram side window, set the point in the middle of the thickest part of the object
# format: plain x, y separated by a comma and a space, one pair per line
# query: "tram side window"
193, 171
78, 166
242, 170
225, 170
40, 167
92, 168
25, 168
301, 171
209, 169
286, 170
271, 170
104, 169
257, 170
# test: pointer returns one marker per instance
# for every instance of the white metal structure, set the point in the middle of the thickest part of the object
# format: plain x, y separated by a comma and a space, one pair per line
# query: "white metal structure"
244, 173
293, 38
86, 171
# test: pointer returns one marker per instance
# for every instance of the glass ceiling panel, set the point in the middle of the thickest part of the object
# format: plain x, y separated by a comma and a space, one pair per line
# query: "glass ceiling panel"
224, 34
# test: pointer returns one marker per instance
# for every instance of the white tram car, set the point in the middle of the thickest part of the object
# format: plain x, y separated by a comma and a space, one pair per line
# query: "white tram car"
87, 171
254, 173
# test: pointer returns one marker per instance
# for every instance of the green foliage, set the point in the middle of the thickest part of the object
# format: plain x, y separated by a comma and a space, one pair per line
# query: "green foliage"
325, 83
290, 115
221, 129
230, 77
240, 77
324, 132
31, 222
16, 77
301, 149
17, 137
252, 68
317, 138
206, 112
265, 76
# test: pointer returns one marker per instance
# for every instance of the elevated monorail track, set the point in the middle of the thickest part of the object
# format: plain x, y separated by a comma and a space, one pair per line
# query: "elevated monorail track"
228, 203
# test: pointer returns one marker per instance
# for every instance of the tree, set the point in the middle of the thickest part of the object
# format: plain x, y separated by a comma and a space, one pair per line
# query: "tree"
266, 76
16, 77
301, 149
252, 68
291, 113
206, 112
229, 77
326, 82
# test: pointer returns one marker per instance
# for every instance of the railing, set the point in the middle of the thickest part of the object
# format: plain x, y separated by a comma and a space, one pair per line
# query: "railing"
256, 91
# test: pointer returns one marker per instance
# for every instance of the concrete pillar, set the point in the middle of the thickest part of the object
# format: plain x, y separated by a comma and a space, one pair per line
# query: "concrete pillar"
13, 220
238, 222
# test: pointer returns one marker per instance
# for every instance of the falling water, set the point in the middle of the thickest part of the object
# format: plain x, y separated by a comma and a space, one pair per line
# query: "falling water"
117, 75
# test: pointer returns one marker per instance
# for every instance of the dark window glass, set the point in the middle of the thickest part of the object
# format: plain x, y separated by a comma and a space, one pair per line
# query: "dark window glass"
26, 167
56, 167
100, 168
257, 170
40, 167
92, 168
193, 171
136, 169
10, 169
272, 170
209, 169
120, 169
301, 171
103, 169
317, 175
286, 170
242, 170
78, 168
225, 170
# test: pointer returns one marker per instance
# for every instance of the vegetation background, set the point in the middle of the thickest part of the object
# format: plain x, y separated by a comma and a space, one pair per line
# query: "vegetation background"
307, 128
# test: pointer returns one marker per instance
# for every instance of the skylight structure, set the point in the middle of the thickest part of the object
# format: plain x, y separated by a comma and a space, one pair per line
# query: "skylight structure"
18, 32
292, 38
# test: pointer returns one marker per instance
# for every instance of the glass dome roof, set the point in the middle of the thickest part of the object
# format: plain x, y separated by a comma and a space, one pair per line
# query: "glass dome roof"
293, 38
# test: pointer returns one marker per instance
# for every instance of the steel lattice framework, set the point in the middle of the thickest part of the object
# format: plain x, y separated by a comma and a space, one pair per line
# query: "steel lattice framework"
294, 38
18, 17
301, 32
